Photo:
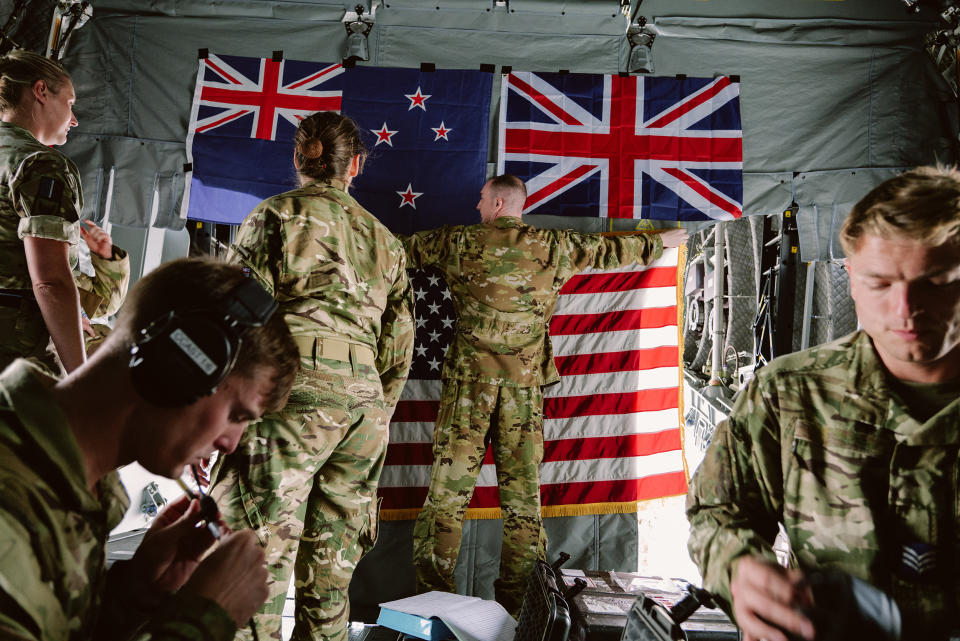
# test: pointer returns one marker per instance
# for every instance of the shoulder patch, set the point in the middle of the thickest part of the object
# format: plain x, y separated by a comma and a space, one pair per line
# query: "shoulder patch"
48, 200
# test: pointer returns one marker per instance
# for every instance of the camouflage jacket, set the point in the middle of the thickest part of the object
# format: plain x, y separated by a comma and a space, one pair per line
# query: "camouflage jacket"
103, 293
39, 196
820, 442
53, 580
336, 272
505, 278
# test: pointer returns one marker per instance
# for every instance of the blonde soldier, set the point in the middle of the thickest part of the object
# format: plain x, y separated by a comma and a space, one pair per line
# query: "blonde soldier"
851, 445
505, 277
305, 478
40, 202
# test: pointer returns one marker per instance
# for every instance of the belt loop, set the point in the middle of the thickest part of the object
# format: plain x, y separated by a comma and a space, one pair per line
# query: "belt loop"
317, 350
354, 360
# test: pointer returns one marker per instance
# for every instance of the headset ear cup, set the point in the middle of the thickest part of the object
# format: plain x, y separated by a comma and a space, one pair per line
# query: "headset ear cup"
180, 358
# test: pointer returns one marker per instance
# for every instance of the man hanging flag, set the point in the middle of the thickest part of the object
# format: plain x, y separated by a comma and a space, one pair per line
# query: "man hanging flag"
611, 428
426, 132
624, 146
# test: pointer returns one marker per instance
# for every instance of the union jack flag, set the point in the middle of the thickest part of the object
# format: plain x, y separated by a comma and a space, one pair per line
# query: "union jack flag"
624, 146
225, 94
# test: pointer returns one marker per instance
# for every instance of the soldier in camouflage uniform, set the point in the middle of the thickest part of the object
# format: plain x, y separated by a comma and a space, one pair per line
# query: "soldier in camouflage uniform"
59, 447
854, 445
504, 276
305, 478
40, 201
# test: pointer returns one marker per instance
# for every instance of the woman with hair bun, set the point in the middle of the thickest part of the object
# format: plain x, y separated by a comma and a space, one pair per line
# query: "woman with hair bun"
305, 478
40, 204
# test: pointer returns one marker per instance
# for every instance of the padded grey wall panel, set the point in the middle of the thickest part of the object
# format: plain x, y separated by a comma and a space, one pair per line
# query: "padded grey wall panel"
408, 46
143, 171
825, 199
849, 9
282, 9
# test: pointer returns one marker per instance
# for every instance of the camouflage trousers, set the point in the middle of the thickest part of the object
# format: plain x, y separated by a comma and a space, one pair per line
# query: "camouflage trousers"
306, 479
511, 419
23, 334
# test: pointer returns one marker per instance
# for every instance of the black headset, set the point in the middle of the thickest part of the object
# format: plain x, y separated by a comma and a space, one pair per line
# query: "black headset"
183, 355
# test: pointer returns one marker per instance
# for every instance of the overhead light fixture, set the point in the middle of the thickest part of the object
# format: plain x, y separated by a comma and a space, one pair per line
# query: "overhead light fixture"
357, 31
641, 47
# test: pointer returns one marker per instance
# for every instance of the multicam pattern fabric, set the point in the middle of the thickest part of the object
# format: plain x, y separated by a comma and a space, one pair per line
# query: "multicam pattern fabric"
336, 271
820, 442
54, 585
305, 478
514, 419
100, 295
505, 278
39, 196
103, 293
23, 334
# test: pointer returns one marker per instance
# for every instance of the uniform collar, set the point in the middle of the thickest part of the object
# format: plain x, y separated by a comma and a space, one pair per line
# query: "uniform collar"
17, 129
871, 387
335, 183
508, 221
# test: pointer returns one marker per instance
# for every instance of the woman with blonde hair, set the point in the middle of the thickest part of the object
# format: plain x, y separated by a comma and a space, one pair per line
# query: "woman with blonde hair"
40, 204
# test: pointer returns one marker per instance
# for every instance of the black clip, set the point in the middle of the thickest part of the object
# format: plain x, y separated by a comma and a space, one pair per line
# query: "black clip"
563, 558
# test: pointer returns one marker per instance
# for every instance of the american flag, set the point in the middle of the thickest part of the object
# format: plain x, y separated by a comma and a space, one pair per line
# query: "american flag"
426, 131
624, 146
611, 429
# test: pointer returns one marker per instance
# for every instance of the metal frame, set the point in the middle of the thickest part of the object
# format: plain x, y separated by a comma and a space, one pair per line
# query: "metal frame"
773, 327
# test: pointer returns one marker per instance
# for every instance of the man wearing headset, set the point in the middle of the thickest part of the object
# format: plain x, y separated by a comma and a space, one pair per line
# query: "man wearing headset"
193, 358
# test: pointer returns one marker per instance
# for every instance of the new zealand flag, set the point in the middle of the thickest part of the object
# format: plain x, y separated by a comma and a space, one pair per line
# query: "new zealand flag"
624, 146
426, 132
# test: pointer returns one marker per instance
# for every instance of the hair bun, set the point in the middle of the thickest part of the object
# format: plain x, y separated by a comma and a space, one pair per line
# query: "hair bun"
312, 148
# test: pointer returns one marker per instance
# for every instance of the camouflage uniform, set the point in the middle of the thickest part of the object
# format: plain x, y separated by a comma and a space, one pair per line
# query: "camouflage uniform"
39, 197
54, 585
102, 294
504, 278
820, 442
306, 477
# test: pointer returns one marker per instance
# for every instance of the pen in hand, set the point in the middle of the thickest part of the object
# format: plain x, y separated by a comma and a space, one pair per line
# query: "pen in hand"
211, 514
208, 508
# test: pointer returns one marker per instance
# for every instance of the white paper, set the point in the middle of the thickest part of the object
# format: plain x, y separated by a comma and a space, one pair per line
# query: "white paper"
470, 618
